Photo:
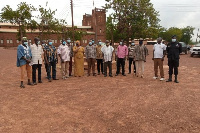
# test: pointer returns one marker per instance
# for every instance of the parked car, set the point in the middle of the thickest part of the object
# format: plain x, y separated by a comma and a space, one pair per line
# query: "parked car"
184, 47
195, 50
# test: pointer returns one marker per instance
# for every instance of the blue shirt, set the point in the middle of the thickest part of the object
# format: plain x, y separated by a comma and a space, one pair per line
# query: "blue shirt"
23, 51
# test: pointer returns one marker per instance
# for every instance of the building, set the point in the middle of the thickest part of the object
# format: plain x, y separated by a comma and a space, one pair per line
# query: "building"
93, 25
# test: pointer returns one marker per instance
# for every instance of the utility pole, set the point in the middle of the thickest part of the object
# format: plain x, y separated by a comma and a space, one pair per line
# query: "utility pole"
72, 22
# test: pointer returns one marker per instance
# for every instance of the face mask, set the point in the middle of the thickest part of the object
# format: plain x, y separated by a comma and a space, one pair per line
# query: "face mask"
64, 43
68, 41
90, 43
50, 43
43, 44
173, 40
38, 42
132, 44
99, 43
25, 43
140, 42
120, 43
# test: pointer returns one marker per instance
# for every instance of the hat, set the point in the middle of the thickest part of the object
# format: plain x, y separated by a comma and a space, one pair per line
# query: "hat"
159, 39
107, 41
173, 36
141, 39
24, 39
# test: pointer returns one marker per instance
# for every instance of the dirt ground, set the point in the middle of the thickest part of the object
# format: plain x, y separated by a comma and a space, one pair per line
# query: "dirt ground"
101, 104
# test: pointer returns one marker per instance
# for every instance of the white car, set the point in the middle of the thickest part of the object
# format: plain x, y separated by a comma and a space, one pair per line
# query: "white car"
195, 50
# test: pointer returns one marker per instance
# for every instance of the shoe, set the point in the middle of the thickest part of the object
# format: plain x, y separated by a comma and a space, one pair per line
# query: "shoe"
110, 76
98, 73
155, 77
102, 72
129, 73
124, 74
94, 74
55, 79
34, 83
142, 76
40, 81
105, 75
116, 74
66, 76
29, 83
22, 86
49, 80
170, 79
162, 79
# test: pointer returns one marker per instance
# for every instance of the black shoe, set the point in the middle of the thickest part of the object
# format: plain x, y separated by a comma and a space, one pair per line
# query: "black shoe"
110, 76
49, 80
22, 86
170, 79
55, 79
29, 83
94, 74
124, 74
40, 81
105, 75
34, 83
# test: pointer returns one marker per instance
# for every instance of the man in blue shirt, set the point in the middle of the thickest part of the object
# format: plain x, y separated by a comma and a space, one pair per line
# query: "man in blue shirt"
24, 56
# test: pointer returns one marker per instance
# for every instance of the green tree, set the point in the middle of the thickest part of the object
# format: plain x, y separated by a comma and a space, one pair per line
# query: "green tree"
21, 16
134, 18
187, 33
49, 24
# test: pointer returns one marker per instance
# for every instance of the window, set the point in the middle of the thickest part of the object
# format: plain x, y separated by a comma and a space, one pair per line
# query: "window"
100, 30
1, 41
8, 41
11, 41
85, 41
17, 41
52, 41
55, 41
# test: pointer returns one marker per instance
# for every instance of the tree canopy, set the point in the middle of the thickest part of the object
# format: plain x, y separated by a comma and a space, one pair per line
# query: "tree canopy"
132, 19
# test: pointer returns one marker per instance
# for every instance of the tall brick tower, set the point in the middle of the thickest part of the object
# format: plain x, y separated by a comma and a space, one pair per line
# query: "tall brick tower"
97, 21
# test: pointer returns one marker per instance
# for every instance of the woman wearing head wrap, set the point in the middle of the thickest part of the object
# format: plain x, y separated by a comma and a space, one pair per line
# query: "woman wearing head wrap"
78, 60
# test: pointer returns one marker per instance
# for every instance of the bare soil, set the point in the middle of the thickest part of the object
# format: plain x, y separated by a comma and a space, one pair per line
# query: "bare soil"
101, 104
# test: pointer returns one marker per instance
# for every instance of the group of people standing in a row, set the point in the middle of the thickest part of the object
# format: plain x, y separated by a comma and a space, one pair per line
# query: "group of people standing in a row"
36, 53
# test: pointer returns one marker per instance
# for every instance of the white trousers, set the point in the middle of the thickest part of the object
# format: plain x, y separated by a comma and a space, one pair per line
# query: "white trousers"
139, 68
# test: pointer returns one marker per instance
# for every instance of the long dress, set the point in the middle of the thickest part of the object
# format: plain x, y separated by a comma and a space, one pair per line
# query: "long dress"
78, 61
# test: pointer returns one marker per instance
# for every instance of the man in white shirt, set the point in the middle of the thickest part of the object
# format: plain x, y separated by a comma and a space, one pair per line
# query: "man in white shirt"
107, 51
159, 51
36, 60
64, 54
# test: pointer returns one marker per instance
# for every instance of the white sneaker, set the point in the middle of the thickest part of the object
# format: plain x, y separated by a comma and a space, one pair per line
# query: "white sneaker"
162, 79
155, 77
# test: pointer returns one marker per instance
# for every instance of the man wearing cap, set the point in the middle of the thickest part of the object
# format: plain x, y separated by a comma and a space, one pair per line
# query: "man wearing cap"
99, 58
51, 59
107, 51
122, 52
159, 51
90, 53
24, 56
140, 58
36, 61
131, 54
64, 54
173, 51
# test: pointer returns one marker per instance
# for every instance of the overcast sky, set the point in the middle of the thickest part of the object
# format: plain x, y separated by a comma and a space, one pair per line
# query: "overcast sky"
173, 13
